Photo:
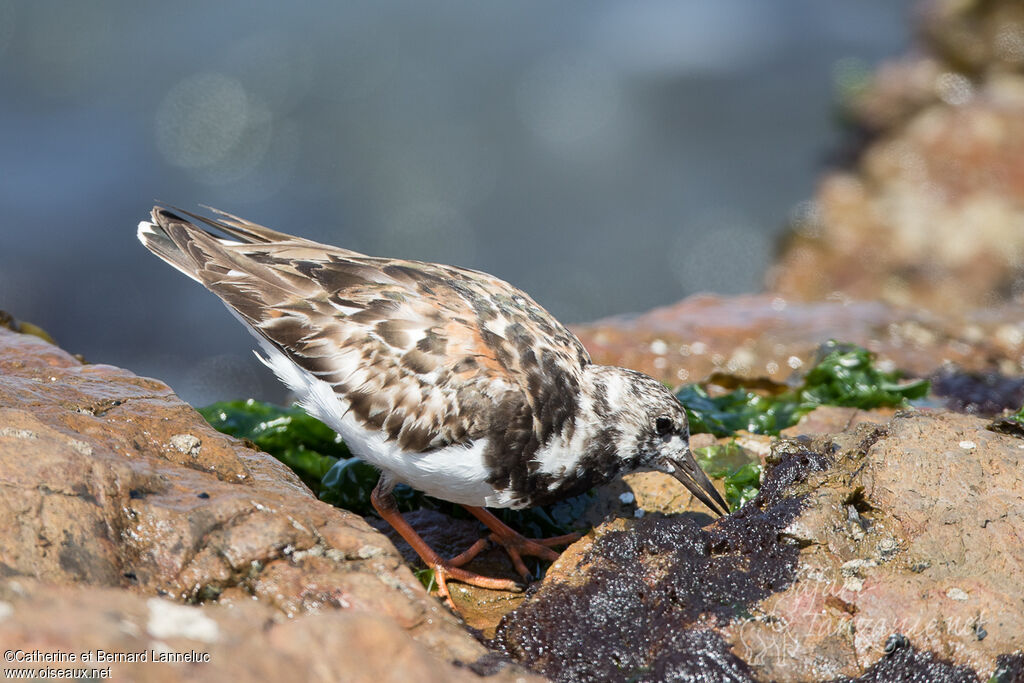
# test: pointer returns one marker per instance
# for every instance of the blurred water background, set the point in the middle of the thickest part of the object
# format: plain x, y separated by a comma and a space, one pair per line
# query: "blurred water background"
604, 156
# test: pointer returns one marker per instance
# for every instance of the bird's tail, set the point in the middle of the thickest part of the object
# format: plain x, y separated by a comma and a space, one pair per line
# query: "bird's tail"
154, 236
225, 266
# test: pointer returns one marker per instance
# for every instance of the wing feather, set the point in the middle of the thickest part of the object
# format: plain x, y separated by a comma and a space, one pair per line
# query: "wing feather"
405, 344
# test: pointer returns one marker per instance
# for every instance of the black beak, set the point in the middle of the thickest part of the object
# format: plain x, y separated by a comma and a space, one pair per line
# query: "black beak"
693, 478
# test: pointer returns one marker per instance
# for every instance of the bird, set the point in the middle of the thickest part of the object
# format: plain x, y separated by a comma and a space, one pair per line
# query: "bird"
446, 379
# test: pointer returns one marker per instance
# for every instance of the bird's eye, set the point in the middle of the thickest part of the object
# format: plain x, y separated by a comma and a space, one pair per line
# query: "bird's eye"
663, 426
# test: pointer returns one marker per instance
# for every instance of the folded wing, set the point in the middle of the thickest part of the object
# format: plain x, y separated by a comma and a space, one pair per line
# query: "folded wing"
410, 347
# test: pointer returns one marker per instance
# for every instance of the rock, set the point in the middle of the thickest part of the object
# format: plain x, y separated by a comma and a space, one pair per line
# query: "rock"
897, 90
768, 336
116, 492
927, 211
641, 599
246, 641
881, 529
980, 37
835, 419
929, 217
936, 557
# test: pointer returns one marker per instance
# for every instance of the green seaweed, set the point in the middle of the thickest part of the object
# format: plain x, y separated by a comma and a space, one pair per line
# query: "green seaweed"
737, 410
844, 376
1017, 417
427, 577
740, 473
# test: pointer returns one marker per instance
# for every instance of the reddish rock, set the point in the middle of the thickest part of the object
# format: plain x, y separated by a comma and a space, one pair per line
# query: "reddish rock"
248, 641
896, 92
978, 37
768, 336
905, 527
836, 419
927, 213
928, 217
112, 484
908, 532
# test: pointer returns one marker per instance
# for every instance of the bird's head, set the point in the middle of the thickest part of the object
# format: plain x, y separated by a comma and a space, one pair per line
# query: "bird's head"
651, 430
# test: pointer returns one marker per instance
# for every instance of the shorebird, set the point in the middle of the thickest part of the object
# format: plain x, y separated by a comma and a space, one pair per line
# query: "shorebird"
446, 379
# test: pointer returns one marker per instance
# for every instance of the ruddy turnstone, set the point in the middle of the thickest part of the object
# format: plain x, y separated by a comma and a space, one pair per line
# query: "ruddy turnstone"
446, 379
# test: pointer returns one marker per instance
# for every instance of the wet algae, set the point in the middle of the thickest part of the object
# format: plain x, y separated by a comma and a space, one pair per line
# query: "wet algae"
978, 393
844, 375
652, 593
904, 663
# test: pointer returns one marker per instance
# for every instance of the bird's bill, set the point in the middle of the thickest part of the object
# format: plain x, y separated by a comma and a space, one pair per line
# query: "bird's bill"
690, 475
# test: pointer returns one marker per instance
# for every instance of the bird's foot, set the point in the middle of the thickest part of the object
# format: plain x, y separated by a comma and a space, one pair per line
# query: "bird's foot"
517, 545
514, 543
445, 570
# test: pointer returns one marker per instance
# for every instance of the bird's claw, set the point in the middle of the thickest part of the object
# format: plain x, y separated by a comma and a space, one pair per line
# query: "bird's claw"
444, 571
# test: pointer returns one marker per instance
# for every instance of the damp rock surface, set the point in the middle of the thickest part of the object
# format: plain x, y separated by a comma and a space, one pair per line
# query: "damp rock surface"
909, 532
117, 493
903, 527
644, 597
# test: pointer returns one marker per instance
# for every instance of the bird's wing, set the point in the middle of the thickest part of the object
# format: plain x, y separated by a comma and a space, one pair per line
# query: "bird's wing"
412, 347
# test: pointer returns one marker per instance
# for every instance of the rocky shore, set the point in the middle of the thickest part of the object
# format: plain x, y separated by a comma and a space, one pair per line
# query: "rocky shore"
878, 539
882, 544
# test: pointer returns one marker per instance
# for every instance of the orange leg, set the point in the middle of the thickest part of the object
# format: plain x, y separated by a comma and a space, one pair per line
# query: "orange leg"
384, 504
517, 545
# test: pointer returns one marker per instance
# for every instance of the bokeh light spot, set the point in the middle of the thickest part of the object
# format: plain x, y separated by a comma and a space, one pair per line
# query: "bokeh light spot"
566, 101
201, 119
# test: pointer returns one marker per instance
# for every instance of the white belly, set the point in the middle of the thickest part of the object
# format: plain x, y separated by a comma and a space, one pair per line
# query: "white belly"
457, 473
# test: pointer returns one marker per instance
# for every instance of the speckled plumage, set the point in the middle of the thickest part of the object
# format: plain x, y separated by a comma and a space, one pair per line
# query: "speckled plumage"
445, 378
